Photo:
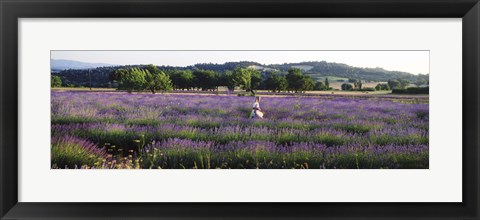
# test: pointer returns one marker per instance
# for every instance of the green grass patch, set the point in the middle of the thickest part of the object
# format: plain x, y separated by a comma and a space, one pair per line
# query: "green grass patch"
353, 128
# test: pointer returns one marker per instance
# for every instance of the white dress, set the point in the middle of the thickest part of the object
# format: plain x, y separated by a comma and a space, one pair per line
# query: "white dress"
256, 113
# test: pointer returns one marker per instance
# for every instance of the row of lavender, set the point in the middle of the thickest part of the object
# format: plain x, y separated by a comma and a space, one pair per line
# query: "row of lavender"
203, 131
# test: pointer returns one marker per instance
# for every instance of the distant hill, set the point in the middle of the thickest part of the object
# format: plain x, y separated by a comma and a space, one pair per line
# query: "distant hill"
59, 65
75, 73
320, 69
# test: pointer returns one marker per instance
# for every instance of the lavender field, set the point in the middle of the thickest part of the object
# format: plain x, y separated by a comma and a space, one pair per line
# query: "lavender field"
184, 131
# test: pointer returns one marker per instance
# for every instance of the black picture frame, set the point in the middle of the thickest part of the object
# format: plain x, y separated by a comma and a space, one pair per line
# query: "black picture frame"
12, 10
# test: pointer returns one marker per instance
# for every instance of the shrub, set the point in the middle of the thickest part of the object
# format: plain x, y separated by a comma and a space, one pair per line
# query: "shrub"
368, 89
382, 86
412, 90
320, 86
346, 87
365, 89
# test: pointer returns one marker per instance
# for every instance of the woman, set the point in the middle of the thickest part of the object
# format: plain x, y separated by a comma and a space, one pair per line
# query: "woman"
256, 111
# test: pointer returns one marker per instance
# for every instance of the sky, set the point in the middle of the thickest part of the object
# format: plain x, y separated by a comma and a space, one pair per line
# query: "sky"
414, 62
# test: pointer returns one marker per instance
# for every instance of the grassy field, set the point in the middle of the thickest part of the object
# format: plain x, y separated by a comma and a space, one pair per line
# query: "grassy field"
321, 78
336, 84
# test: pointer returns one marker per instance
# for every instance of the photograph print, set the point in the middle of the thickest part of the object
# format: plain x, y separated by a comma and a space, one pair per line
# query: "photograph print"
239, 109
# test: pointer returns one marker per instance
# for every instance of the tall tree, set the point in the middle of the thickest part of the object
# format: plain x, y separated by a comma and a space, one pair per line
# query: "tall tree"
55, 81
308, 83
205, 79
394, 84
256, 79
136, 79
156, 79
131, 79
275, 82
294, 79
227, 80
319, 86
182, 79
247, 78
420, 81
357, 84
403, 83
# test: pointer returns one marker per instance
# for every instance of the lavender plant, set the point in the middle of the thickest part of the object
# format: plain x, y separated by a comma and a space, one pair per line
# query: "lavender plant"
72, 152
208, 131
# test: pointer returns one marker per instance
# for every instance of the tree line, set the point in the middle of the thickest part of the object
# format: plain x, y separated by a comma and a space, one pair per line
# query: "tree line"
155, 80
392, 84
100, 77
